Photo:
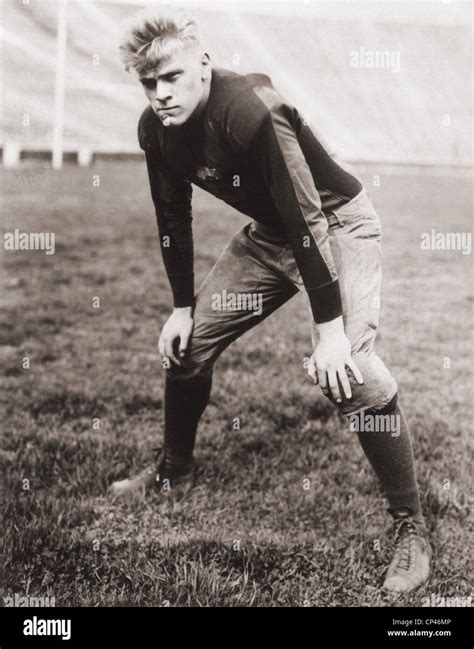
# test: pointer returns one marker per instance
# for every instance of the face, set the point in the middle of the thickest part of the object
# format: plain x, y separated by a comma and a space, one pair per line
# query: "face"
177, 87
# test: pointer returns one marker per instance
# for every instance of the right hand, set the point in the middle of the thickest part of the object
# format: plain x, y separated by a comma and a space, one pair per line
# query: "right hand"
178, 326
331, 357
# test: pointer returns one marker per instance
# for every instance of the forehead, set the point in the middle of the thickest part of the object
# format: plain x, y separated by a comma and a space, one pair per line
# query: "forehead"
174, 59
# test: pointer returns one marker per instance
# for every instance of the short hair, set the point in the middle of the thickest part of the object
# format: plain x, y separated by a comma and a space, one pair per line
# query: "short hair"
149, 37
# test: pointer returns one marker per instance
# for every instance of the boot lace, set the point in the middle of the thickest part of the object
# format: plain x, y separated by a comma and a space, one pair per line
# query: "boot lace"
406, 535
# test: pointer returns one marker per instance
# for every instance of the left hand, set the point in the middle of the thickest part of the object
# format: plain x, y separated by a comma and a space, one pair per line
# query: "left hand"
328, 363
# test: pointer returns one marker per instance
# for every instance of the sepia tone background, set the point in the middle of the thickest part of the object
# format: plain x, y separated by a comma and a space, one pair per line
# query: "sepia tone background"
250, 533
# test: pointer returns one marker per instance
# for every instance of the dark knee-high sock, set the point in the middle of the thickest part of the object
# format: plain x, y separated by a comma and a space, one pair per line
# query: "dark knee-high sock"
185, 401
390, 453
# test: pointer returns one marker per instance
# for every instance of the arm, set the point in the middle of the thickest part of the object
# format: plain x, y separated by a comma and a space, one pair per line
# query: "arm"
279, 156
281, 160
172, 200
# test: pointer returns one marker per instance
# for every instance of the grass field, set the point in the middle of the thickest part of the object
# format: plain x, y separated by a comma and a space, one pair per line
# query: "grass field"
248, 534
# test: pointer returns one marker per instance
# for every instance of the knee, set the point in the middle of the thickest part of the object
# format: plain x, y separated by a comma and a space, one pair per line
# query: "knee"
378, 390
388, 408
198, 361
190, 369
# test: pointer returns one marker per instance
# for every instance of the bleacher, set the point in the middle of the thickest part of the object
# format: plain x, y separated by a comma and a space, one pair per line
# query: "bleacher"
421, 114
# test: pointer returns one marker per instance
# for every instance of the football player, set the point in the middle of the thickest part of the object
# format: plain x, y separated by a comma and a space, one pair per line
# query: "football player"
313, 229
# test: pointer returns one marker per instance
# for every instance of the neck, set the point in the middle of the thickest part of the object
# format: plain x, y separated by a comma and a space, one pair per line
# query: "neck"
200, 109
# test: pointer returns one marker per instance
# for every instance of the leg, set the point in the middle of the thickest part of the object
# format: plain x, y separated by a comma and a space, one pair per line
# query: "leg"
246, 267
373, 410
390, 452
185, 402
243, 288
355, 234
356, 245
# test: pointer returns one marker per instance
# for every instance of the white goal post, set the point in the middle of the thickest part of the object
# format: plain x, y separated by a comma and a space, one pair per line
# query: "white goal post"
61, 46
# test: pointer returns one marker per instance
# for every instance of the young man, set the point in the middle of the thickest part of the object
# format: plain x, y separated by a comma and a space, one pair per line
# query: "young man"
313, 230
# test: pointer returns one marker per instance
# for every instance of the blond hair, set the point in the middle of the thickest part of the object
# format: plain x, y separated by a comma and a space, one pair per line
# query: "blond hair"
150, 37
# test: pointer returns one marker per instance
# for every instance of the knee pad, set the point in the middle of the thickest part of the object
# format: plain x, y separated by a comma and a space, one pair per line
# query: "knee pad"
385, 410
377, 391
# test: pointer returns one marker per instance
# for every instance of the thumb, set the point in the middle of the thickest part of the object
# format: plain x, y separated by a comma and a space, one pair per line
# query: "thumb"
312, 370
183, 344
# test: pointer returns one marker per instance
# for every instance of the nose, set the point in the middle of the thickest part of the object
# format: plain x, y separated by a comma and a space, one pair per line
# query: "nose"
162, 95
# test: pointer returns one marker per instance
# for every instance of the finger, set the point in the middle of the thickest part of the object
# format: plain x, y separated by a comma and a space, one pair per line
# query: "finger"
323, 380
343, 378
355, 371
183, 344
169, 351
334, 385
312, 371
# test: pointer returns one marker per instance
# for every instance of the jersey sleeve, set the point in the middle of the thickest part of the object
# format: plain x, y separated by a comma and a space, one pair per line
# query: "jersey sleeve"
172, 200
278, 156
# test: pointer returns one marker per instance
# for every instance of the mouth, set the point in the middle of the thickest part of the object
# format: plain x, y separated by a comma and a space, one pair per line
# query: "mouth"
159, 110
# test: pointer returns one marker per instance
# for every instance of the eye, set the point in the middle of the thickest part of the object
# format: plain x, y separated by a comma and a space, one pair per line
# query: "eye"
173, 77
149, 84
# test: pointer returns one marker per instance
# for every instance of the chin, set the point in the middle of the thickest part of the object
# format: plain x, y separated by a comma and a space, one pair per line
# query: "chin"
175, 120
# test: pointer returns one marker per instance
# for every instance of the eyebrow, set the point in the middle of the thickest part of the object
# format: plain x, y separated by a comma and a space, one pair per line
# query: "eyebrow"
162, 76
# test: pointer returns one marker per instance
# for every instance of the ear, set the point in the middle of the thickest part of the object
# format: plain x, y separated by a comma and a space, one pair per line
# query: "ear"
206, 66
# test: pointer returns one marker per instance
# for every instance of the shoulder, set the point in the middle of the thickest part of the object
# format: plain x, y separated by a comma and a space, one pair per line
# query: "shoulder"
146, 123
243, 103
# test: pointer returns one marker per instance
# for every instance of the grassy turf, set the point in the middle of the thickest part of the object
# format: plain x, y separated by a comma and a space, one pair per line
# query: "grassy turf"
249, 533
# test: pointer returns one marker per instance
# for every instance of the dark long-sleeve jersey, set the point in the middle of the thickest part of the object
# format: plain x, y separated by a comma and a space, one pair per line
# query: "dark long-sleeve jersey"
251, 148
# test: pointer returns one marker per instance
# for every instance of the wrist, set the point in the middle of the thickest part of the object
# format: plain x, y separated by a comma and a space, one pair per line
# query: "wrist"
183, 310
330, 329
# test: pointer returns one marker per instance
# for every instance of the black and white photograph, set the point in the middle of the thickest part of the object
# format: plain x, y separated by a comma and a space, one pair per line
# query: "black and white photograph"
236, 319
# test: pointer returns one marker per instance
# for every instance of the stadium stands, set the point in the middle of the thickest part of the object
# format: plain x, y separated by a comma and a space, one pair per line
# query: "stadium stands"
419, 113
